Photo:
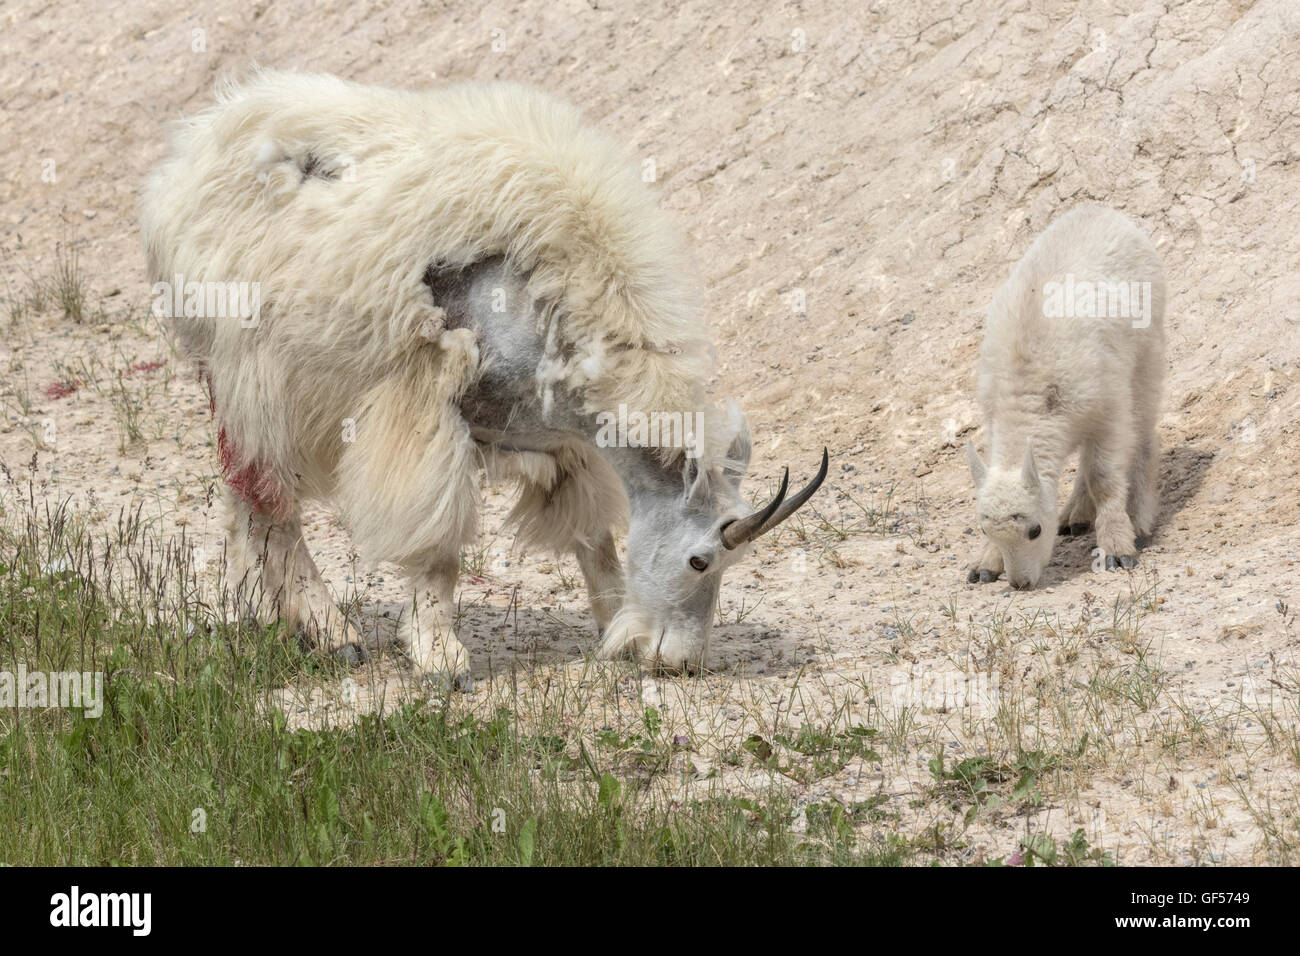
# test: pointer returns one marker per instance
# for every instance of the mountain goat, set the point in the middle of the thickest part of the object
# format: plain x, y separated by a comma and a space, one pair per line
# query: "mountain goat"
1073, 357
444, 281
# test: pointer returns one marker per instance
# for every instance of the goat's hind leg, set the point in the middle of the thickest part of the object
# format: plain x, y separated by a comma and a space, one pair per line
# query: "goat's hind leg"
1108, 478
1143, 496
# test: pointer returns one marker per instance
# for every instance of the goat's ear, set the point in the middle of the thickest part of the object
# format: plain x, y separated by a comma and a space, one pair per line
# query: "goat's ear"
741, 448
1028, 470
696, 481
977, 467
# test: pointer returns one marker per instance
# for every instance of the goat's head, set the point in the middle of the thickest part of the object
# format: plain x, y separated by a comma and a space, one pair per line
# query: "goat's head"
681, 539
1017, 512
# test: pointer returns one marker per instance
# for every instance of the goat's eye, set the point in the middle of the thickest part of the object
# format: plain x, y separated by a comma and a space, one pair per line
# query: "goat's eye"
699, 564
1035, 531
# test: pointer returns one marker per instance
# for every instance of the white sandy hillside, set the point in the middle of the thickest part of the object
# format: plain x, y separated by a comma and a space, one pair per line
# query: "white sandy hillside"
855, 181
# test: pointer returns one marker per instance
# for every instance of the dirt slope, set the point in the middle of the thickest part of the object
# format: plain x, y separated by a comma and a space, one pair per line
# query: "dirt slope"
856, 179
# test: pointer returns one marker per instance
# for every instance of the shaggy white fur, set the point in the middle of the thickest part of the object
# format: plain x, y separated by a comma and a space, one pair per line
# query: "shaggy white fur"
1073, 357
334, 198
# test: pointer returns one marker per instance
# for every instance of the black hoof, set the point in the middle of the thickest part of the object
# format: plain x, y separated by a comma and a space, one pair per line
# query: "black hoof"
973, 577
1079, 528
1124, 561
987, 576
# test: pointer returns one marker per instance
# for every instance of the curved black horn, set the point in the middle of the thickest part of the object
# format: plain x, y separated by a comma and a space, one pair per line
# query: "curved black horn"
795, 503
735, 533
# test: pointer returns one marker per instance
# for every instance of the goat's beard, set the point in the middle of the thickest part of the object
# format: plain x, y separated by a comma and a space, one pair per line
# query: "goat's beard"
635, 632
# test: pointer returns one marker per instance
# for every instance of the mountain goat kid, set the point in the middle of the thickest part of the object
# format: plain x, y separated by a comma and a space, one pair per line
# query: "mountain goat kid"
1073, 357
446, 281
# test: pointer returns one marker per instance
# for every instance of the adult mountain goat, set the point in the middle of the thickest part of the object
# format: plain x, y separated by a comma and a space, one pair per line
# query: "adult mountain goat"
464, 278
1073, 357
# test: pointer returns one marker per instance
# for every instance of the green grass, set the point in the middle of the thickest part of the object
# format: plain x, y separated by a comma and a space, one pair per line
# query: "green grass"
191, 762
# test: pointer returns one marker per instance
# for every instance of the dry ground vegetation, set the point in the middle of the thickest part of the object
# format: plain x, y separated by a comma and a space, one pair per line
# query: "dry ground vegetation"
857, 178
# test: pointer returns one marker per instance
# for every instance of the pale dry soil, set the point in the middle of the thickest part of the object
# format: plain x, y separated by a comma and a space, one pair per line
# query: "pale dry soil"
856, 180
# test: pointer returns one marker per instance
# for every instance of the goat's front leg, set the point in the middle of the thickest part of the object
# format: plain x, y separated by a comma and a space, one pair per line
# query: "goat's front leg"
604, 576
987, 566
272, 564
429, 632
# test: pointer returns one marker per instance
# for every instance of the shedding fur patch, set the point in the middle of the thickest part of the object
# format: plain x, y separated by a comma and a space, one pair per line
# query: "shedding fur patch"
408, 484
335, 197
568, 495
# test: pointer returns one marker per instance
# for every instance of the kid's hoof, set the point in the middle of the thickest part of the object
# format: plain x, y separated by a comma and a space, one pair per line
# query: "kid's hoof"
1124, 561
973, 577
988, 576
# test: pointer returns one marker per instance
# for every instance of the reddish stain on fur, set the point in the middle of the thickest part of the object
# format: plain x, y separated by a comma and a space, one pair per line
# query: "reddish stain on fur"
258, 489
250, 482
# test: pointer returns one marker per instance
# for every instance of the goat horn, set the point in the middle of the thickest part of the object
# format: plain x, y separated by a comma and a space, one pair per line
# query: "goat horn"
795, 503
735, 533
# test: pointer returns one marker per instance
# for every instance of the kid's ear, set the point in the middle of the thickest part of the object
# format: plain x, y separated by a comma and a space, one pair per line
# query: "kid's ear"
1028, 471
